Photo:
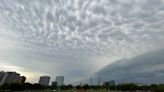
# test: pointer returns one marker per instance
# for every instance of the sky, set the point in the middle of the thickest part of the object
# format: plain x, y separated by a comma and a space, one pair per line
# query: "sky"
76, 38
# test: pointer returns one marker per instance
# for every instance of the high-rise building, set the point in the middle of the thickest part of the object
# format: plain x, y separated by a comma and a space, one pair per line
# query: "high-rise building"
110, 83
60, 80
2, 73
9, 77
44, 80
21, 79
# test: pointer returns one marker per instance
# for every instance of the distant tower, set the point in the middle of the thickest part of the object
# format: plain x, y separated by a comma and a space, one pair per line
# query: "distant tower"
9, 77
91, 81
44, 80
60, 80
81, 83
98, 81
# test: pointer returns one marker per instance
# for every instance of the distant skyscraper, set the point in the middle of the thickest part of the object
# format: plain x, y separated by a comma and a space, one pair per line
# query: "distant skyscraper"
98, 81
21, 79
44, 80
91, 81
60, 80
110, 83
9, 77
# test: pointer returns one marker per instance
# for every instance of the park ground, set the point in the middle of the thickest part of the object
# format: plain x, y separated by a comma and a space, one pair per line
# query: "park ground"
79, 91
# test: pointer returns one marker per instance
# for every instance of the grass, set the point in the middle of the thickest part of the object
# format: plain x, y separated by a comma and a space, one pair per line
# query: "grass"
69, 91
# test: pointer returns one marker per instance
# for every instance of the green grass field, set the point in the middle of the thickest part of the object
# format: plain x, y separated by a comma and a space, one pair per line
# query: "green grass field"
70, 91
77, 91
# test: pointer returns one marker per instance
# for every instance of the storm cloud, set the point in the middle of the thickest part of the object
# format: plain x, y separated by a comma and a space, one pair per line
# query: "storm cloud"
68, 37
146, 68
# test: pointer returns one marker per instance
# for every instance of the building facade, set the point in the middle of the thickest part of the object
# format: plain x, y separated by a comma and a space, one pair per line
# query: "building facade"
60, 80
2, 73
110, 83
44, 80
9, 77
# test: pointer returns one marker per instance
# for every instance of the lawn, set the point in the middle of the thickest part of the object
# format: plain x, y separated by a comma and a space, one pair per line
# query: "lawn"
69, 91
78, 91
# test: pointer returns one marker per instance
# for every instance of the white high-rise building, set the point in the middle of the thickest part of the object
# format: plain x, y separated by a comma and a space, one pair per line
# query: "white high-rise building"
60, 80
44, 80
9, 77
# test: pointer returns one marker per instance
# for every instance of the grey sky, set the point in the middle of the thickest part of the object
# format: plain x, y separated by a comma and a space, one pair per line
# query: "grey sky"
76, 38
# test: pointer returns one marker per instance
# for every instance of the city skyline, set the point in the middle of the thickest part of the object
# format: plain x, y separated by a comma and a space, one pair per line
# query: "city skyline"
77, 38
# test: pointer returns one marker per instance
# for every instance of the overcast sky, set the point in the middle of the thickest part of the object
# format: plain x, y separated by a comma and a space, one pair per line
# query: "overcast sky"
76, 38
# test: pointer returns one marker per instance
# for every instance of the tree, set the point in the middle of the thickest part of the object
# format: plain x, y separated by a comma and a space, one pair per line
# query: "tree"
159, 88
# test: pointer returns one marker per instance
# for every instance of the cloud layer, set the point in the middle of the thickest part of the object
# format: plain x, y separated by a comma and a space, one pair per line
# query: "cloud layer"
71, 36
145, 68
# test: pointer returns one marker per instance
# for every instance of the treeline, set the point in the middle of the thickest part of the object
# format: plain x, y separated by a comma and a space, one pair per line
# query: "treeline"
22, 87
122, 87
134, 87
29, 86
127, 87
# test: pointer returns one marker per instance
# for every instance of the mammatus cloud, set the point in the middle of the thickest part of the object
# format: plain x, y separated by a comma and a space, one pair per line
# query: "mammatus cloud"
66, 37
